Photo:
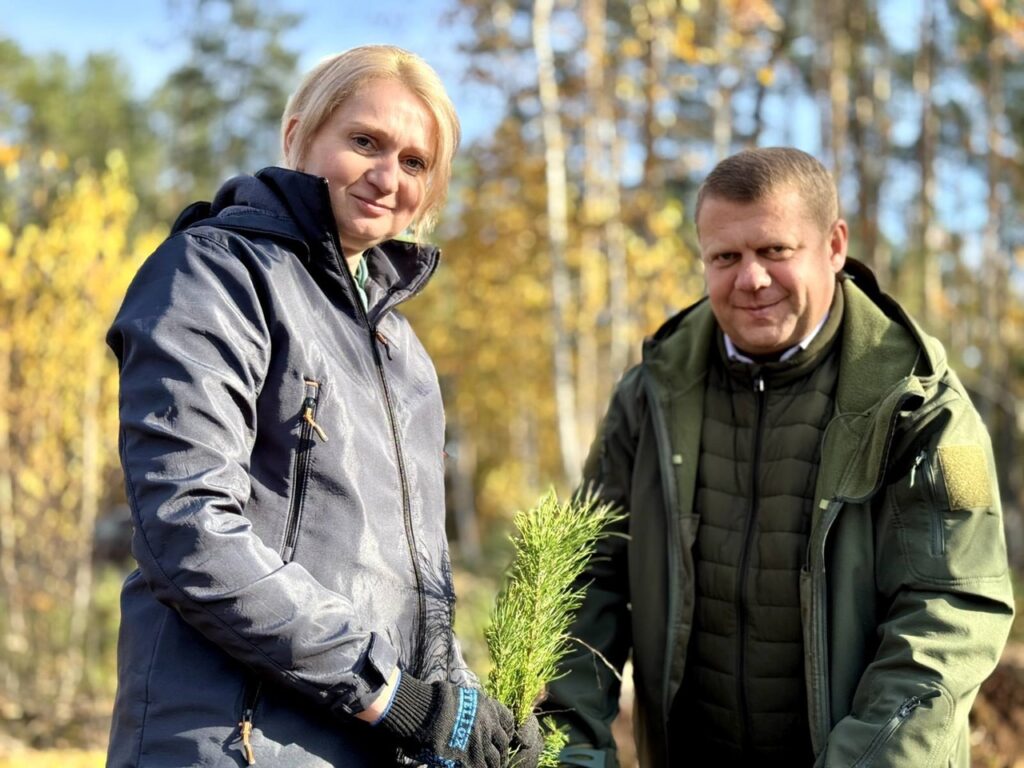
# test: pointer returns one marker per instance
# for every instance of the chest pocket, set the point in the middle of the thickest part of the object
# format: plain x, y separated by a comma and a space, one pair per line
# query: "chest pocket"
950, 528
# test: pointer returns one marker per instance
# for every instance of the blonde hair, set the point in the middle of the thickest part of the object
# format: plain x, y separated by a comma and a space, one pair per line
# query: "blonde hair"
753, 174
336, 78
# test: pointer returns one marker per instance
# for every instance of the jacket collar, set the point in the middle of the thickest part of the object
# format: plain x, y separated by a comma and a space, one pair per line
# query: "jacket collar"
881, 344
296, 206
886, 364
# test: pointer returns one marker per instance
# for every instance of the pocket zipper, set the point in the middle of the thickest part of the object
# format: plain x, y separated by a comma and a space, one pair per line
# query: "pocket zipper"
246, 723
310, 401
900, 716
938, 530
308, 411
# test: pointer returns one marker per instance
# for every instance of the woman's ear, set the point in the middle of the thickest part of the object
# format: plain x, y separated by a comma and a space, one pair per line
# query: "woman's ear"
289, 139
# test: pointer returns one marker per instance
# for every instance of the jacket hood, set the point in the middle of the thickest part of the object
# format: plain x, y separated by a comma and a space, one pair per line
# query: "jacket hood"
296, 206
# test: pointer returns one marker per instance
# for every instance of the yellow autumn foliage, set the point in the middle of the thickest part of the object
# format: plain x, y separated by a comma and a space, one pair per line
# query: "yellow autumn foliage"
61, 283
56, 758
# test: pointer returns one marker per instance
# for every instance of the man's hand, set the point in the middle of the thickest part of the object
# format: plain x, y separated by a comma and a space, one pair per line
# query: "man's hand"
442, 724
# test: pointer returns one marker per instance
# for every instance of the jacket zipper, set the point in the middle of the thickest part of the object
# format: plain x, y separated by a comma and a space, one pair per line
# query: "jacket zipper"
410, 531
362, 311
245, 725
384, 342
900, 716
308, 427
670, 492
820, 709
741, 586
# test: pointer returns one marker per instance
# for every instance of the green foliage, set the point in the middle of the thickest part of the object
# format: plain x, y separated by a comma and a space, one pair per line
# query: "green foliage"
529, 632
220, 111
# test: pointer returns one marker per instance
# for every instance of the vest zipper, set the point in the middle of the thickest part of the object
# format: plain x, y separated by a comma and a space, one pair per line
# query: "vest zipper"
900, 716
741, 587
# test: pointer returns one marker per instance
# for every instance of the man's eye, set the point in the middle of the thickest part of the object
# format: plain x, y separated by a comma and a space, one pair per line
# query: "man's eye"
363, 142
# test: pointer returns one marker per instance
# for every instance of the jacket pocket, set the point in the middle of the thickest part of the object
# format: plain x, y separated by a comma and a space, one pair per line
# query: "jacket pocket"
943, 540
308, 430
923, 468
891, 726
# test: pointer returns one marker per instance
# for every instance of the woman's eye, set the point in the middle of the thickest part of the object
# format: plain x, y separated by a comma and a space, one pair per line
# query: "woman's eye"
415, 164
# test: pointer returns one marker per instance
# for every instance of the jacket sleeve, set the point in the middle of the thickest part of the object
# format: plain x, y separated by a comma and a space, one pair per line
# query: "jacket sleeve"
941, 568
193, 347
585, 698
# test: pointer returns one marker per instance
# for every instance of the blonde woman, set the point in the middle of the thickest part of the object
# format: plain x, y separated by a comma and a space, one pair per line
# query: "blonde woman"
282, 441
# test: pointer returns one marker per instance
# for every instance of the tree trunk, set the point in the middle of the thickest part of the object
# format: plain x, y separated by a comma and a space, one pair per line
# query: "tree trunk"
557, 205
655, 59
779, 47
839, 89
928, 231
463, 474
869, 134
15, 641
73, 667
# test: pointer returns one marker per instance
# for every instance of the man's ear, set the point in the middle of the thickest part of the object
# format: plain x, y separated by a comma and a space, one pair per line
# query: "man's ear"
838, 242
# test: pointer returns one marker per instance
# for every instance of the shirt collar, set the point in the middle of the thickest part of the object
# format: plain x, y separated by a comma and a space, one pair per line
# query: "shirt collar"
734, 354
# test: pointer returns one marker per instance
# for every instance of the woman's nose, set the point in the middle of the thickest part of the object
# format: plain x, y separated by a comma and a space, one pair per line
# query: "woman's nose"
384, 173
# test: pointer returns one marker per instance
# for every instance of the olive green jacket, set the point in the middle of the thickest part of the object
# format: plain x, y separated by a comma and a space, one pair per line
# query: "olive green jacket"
905, 592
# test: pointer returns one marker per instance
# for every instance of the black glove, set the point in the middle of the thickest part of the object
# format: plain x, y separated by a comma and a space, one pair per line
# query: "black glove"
527, 744
442, 724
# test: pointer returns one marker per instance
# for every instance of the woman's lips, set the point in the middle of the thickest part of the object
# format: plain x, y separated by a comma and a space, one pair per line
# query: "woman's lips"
371, 206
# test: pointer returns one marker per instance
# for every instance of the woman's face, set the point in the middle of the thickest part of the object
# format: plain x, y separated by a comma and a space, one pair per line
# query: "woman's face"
375, 150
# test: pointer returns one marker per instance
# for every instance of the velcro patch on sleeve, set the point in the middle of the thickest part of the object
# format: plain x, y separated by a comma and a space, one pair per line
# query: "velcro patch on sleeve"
965, 472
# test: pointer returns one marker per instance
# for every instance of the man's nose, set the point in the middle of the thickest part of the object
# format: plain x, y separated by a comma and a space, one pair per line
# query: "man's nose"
752, 274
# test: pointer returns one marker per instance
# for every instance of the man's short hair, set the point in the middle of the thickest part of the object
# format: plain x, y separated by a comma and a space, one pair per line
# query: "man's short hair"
753, 174
336, 78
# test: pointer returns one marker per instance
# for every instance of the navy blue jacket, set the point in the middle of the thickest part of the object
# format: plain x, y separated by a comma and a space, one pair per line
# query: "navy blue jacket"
283, 458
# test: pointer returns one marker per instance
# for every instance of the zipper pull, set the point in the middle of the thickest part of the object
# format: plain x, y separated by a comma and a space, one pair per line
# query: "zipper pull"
386, 344
307, 416
917, 463
914, 702
246, 728
759, 383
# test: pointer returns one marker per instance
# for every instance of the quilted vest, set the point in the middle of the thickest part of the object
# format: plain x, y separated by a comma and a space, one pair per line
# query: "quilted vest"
743, 694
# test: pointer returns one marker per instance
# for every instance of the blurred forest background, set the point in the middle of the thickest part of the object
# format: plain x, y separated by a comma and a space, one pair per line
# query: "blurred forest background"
568, 238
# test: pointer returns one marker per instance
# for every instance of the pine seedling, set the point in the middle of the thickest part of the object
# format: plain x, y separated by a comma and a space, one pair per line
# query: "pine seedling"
529, 630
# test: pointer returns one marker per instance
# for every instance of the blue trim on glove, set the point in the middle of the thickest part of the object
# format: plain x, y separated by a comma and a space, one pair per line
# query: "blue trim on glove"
465, 717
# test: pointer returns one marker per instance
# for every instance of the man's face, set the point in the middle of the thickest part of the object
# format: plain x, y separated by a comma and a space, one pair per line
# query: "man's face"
376, 151
770, 269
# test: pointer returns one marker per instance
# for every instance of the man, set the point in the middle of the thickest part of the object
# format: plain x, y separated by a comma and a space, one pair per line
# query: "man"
815, 571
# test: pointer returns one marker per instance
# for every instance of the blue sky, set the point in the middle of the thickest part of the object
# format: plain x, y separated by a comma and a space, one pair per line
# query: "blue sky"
144, 33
